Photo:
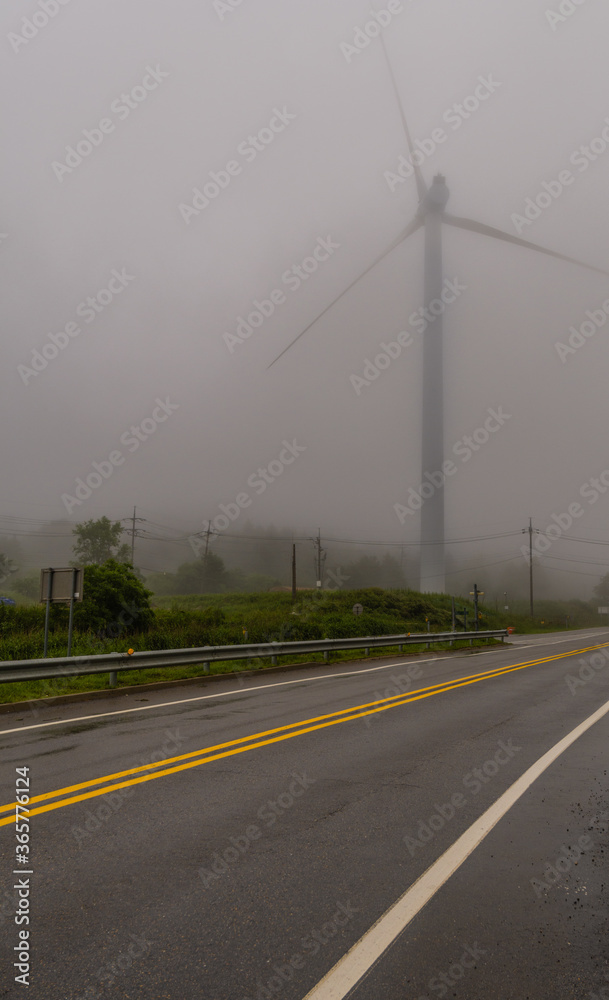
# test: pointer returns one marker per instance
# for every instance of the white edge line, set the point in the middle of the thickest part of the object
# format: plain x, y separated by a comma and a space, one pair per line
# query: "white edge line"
354, 965
221, 694
258, 687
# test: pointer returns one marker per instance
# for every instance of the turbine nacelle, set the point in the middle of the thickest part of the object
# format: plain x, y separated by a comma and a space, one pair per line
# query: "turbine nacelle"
437, 196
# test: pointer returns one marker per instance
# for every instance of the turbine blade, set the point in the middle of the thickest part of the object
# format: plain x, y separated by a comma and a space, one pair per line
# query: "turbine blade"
498, 234
416, 223
421, 185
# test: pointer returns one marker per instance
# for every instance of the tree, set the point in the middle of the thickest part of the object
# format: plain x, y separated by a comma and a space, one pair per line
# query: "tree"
98, 541
369, 571
113, 600
205, 576
28, 585
7, 567
601, 591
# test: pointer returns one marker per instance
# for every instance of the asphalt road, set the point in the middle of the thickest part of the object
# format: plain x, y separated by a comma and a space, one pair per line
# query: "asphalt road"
251, 869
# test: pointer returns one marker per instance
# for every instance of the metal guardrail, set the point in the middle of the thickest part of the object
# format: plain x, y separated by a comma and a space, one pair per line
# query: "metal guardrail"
76, 666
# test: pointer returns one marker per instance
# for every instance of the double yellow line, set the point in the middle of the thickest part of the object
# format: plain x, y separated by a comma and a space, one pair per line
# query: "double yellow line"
206, 755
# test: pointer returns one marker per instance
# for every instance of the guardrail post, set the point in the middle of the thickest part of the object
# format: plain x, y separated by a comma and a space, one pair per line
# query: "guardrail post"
108, 663
273, 661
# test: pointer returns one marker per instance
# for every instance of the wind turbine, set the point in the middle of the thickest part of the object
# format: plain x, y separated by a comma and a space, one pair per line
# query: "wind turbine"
432, 216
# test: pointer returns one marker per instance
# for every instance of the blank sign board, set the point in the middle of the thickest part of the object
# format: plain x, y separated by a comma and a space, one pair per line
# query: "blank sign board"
66, 584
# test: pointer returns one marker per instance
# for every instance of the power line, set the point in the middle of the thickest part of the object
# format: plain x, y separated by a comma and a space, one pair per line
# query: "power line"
587, 541
133, 519
336, 541
583, 562
479, 566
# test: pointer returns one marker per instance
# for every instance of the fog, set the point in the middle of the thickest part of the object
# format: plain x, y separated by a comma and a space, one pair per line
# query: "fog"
158, 350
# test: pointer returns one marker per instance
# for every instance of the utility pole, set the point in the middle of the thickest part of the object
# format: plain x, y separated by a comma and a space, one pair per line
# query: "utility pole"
208, 533
133, 520
530, 531
476, 594
293, 571
319, 550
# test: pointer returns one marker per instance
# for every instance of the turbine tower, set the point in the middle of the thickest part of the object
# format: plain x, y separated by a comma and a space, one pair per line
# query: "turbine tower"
431, 216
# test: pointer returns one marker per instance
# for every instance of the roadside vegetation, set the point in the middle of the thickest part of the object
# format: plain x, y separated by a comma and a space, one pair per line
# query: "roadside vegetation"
120, 613
145, 623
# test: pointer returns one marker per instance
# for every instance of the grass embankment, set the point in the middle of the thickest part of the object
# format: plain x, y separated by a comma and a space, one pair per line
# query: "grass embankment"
223, 619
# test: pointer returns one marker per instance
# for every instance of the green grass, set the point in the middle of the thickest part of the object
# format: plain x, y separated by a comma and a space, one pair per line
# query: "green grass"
220, 619
49, 689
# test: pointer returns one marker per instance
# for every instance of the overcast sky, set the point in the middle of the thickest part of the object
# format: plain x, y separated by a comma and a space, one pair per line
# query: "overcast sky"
289, 103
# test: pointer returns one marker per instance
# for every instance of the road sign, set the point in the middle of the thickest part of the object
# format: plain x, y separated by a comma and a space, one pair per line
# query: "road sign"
358, 609
60, 586
65, 584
